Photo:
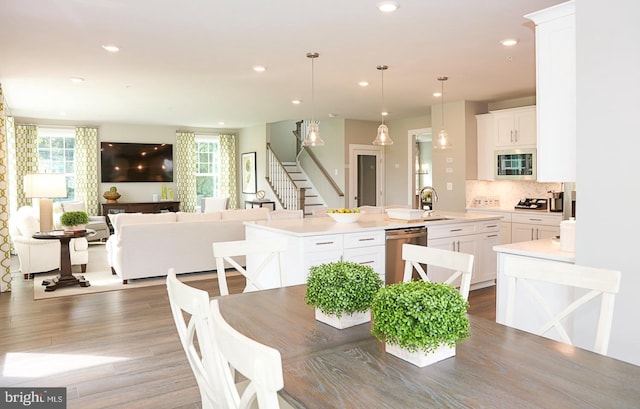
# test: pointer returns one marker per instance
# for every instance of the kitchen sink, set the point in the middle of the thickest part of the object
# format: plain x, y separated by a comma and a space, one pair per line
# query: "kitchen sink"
436, 217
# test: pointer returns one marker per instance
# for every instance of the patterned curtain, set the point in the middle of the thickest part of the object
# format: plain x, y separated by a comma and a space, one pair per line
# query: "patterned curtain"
228, 185
185, 170
86, 169
26, 154
5, 240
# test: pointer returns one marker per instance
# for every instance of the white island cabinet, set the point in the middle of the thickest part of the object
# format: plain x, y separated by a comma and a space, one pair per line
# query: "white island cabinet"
317, 240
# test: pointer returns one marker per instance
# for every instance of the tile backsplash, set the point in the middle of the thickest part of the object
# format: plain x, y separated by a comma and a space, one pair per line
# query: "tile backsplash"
505, 192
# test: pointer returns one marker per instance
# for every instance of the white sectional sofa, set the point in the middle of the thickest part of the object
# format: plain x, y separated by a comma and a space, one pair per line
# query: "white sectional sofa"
147, 245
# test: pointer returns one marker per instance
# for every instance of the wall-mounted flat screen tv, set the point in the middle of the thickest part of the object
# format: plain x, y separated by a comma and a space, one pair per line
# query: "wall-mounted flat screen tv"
136, 162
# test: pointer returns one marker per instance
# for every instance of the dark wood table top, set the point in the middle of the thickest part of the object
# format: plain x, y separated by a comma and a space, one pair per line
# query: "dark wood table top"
497, 367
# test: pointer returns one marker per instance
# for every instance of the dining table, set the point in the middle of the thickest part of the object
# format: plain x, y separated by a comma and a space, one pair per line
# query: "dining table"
496, 367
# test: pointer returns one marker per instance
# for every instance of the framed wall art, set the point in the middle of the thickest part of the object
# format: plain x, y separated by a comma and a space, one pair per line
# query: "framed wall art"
249, 183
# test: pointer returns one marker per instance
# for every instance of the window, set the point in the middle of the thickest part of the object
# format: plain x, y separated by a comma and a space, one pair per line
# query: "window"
207, 166
56, 148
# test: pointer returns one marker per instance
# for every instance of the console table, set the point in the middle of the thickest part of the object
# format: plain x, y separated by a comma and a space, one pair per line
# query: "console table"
140, 207
260, 203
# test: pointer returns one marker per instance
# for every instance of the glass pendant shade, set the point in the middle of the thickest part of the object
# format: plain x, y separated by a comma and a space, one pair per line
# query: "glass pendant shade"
442, 141
383, 138
313, 131
313, 135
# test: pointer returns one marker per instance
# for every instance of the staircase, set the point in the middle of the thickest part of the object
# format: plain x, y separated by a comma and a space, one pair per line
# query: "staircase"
312, 199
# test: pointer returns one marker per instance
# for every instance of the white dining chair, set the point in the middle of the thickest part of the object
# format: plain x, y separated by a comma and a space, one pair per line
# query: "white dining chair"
524, 272
460, 264
285, 214
195, 336
259, 364
227, 251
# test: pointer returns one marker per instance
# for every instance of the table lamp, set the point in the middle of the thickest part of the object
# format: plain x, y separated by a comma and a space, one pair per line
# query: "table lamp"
43, 187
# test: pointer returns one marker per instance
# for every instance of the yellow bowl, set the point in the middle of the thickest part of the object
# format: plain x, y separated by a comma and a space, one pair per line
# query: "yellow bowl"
345, 217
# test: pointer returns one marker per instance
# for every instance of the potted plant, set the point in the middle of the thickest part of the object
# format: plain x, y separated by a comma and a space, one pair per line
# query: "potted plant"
75, 220
420, 321
342, 292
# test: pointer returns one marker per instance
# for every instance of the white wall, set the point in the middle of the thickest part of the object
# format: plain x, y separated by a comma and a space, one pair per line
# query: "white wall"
608, 85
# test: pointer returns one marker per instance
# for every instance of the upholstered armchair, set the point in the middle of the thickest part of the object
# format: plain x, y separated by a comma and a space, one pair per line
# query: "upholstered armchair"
97, 223
38, 256
214, 204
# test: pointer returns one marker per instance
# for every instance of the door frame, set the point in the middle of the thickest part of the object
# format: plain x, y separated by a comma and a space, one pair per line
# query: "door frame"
413, 134
354, 151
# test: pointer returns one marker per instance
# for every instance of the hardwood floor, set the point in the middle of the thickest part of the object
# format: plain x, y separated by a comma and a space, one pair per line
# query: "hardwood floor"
117, 349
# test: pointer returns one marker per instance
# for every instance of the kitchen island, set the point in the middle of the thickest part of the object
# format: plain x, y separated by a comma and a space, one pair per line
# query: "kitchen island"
528, 316
317, 240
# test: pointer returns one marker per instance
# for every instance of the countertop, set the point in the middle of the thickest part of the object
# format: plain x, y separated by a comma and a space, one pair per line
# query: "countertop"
548, 249
489, 210
310, 226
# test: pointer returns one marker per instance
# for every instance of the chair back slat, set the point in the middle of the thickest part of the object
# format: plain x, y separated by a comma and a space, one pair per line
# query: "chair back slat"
460, 264
598, 283
272, 249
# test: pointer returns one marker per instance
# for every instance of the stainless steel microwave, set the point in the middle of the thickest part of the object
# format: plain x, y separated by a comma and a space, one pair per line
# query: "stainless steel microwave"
515, 164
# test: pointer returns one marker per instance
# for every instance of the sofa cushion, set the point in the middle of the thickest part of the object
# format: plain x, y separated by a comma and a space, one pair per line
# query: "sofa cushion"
26, 223
73, 206
120, 219
196, 217
259, 213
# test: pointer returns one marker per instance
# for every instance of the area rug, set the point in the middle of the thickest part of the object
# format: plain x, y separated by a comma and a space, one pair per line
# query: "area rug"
99, 276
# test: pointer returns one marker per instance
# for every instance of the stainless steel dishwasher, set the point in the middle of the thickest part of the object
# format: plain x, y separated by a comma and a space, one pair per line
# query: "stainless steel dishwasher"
395, 238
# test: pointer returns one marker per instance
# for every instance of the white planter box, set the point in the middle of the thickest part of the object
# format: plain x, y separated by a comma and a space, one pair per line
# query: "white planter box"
421, 358
346, 321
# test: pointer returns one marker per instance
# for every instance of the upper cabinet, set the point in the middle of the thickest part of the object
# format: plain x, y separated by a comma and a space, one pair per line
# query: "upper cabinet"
515, 128
556, 92
503, 129
485, 146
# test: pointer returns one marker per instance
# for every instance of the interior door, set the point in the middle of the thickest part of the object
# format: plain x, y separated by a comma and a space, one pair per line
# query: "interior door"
366, 175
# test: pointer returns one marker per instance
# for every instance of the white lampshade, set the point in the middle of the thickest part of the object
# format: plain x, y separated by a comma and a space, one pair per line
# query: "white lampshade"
45, 185
42, 187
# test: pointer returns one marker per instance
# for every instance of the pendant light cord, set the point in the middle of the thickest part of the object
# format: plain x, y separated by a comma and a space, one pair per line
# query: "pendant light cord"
382, 94
313, 98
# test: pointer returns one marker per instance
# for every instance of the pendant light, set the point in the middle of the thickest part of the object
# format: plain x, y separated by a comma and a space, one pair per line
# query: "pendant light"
313, 131
442, 140
383, 137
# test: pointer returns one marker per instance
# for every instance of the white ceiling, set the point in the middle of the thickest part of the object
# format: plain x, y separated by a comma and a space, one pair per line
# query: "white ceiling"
189, 63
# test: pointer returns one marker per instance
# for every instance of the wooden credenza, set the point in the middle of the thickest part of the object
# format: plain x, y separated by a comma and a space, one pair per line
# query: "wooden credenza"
141, 207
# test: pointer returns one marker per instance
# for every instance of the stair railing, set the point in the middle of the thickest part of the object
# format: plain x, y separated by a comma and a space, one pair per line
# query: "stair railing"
299, 132
287, 193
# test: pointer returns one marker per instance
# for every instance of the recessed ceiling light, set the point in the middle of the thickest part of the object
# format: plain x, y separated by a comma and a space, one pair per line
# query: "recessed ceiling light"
76, 80
388, 6
363, 83
62, 113
296, 102
437, 94
384, 113
220, 123
259, 68
508, 42
111, 48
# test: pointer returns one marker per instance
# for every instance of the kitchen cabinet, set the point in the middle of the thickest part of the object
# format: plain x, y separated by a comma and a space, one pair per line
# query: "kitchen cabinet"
477, 239
556, 92
505, 222
525, 227
515, 128
486, 158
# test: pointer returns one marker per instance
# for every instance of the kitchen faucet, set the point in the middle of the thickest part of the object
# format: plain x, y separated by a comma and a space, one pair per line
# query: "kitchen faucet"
434, 194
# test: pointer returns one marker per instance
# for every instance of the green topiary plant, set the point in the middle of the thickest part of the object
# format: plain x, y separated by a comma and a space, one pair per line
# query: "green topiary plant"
420, 316
342, 287
74, 218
